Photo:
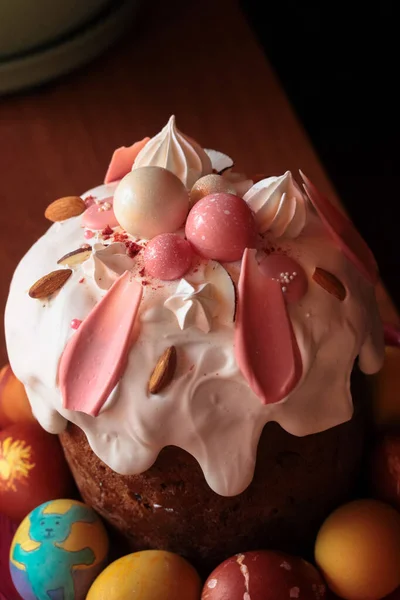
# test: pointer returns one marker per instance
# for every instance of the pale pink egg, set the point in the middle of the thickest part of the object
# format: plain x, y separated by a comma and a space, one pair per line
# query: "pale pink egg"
220, 226
167, 256
288, 272
98, 216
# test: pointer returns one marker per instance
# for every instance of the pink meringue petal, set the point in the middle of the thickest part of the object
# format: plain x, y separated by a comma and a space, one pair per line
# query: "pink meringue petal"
96, 355
343, 232
122, 160
265, 345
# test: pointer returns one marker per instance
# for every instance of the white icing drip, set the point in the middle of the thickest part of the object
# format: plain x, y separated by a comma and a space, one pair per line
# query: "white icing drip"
208, 409
279, 206
177, 153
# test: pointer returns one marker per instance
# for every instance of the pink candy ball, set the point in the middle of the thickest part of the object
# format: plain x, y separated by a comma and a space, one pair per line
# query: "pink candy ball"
167, 256
221, 226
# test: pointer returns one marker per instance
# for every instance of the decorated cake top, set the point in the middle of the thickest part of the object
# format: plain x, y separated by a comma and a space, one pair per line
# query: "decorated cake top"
181, 303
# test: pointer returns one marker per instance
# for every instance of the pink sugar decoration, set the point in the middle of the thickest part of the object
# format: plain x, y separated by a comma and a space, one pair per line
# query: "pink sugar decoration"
88, 234
265, 345
75, 323
95, 357
220, 226
288, 273
123, 159
343, 232
167, 257
96, 219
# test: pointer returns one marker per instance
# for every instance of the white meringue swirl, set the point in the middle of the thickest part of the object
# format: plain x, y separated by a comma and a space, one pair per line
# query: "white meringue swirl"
193, 305
177, 153
279, 206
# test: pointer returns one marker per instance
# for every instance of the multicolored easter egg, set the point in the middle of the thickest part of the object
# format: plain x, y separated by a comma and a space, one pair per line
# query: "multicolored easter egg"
149, 201
358, 550
33, 469
221, 226
264, 575
58, 551
14, 403
148, 575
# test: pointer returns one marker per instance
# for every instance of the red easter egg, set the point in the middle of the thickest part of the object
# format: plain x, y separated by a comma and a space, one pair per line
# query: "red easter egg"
221, 226
385, 470
264, 575
33, 469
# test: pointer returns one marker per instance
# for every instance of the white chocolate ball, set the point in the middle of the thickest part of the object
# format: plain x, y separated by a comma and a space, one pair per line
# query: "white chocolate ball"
149, 201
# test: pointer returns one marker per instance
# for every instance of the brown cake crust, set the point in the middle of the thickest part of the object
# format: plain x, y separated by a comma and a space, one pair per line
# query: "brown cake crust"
297, 482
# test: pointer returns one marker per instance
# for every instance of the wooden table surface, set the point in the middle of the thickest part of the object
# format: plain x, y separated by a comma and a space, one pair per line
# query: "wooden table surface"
199, 61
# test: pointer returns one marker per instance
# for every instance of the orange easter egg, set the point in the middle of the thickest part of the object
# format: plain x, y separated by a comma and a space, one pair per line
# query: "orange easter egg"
14, 403
358, 550
33, 469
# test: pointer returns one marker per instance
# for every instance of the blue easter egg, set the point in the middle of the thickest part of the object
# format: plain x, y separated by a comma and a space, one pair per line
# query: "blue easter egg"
58, 551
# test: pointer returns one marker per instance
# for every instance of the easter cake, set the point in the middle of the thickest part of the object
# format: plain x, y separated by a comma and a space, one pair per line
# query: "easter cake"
192, 335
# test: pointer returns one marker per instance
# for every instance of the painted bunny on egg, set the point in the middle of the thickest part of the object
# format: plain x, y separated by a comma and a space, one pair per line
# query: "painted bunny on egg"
49, 567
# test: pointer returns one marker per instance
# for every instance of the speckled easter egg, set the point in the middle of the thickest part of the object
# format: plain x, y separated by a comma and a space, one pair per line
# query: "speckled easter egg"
358, 550
14, 403
148, 575
33, 469
149, 201
264, 575
58, 551
220, 226
167, 257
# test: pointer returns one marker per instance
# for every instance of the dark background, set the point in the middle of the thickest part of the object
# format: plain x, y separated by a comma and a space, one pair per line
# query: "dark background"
339, 64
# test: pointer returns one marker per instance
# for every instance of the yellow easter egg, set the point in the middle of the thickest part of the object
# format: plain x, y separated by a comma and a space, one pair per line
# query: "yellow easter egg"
147, 575
358, 550
386, 389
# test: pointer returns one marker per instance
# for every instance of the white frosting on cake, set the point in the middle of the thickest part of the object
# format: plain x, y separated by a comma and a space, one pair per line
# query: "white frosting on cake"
208, 409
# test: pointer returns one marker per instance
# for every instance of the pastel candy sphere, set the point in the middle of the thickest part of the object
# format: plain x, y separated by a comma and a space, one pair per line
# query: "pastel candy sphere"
149, 201
60, 546
210, 184
220, 226
358, 550
264, 575
148, 575
167, 256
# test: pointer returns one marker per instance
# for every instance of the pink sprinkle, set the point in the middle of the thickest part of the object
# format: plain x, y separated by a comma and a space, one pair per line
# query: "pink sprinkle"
88, 234
75, 323
82, 280
144, 282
